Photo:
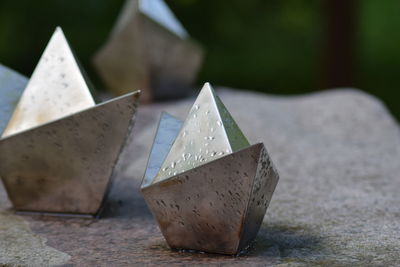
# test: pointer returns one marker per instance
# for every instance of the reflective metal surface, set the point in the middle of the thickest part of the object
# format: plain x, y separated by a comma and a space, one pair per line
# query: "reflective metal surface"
55, 90
211, 201
217, 207
149, 50
160, 12
209, 132
12, 84
66, 166
168, 129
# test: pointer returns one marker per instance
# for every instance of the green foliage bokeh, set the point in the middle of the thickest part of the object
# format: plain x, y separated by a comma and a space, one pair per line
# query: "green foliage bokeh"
266, 45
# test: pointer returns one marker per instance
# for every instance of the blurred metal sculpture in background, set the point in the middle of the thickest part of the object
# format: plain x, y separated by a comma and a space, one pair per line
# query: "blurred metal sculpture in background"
59, 149
207, 187
150, 50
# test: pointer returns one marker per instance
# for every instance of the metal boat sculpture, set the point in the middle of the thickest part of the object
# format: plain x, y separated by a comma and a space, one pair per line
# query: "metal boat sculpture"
206, 186
149, 49
59, 149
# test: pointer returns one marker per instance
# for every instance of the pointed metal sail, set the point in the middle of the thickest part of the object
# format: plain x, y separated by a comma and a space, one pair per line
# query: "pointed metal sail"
208, 133
167, 131
12, 84
56, 89
160, 12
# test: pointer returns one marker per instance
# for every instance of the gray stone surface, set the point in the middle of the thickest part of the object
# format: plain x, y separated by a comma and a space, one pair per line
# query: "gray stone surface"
337, 202
19, 246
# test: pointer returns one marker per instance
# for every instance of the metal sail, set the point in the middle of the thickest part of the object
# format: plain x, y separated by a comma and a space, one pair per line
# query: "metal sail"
56, 89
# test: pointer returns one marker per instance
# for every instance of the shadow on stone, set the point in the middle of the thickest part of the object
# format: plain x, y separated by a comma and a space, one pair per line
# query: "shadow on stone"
277, 243
125, 201
285, 242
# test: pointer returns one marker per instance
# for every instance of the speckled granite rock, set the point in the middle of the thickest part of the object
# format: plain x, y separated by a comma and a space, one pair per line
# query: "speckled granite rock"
337, 202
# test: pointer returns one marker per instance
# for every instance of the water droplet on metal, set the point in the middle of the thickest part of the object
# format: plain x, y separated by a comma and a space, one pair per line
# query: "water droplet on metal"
186, 156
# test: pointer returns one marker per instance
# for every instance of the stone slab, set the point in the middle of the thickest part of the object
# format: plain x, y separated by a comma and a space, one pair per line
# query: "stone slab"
337, 202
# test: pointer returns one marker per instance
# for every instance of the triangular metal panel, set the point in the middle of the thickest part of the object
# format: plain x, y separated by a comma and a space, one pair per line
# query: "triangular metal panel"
236, 138
159, 11
56, 89
263, 187
12, 85
203, 136
167, 131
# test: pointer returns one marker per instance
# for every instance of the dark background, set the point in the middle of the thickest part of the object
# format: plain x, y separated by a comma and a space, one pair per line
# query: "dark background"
273, 46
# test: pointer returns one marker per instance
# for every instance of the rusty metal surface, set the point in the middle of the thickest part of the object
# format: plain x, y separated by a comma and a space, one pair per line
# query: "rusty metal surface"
65, 166
12, 84
56, 89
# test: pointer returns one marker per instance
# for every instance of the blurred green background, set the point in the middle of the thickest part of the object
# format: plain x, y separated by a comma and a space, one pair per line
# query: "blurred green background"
278, 47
